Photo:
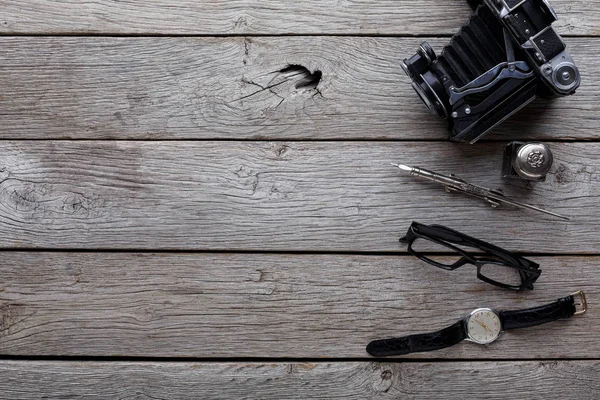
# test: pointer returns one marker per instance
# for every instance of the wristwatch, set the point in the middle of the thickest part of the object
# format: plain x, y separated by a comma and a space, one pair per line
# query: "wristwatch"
482, 326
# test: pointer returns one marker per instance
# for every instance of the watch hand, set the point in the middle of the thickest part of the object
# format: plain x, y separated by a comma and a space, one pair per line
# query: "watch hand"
484, 326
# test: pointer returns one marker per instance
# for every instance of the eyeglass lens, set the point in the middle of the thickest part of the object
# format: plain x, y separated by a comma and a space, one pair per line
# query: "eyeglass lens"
424, 247
501, 274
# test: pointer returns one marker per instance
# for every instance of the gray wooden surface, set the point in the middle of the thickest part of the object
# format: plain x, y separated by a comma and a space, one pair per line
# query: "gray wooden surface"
285, 196
186, 210
330, 380
259, 305
214, 88
188, 17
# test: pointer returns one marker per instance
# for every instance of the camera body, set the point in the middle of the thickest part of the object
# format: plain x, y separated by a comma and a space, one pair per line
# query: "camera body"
506, 55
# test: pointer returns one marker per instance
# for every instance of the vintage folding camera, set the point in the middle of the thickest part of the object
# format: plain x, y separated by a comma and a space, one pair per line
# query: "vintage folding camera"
499, 61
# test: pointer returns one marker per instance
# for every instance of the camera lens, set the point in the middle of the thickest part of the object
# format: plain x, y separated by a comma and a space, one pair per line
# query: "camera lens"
427, 51
420, 68
422, 94
425, 89
405, 68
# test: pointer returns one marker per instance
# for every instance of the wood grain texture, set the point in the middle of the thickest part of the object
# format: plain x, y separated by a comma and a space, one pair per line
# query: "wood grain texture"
389, 17
261, 305
459, 380
233, 88
300, 196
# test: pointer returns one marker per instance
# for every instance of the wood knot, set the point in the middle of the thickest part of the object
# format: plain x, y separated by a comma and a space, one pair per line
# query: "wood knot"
386, 375
293, 85
4, 318
42, 199
305, 78
4, 175
12, 315
383, 379
26, 198
282, 150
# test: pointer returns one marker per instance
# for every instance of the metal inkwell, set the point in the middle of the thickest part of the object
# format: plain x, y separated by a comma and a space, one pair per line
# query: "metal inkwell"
506, 55
527, 161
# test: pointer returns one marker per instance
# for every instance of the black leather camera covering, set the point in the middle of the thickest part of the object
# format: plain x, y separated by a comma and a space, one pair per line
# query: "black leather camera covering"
550, 44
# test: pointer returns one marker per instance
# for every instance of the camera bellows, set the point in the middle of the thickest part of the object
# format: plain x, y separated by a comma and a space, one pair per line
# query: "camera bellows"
478, 48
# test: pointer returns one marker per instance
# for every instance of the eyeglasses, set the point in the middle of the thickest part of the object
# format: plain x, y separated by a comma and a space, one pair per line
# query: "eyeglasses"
496, 266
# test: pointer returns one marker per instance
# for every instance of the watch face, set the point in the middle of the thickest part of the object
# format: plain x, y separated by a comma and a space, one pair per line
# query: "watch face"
483, 326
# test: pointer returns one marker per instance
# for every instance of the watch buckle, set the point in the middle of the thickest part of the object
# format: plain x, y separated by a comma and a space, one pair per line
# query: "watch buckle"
582, 303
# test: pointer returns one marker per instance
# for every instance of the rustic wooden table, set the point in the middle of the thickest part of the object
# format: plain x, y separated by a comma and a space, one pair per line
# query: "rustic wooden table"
196, 201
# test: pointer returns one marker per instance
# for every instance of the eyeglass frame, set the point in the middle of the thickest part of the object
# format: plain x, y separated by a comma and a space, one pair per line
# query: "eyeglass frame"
528, 270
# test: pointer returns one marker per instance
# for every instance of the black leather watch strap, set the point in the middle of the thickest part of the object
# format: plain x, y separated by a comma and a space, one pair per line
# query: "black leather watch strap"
563, 308
421, 342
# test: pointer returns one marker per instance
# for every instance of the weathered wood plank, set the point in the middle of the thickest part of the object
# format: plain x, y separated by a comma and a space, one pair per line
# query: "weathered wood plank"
304, 196
258, 305
459, 380
212, 88
390, 17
